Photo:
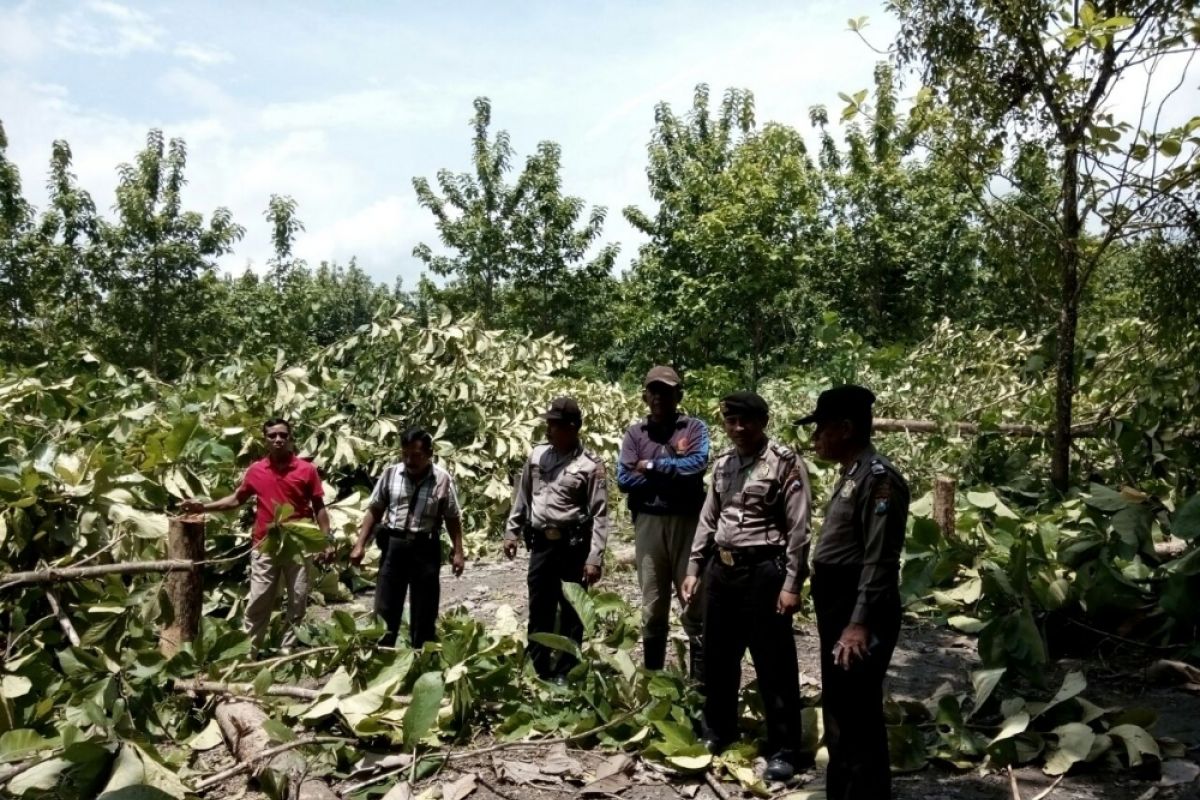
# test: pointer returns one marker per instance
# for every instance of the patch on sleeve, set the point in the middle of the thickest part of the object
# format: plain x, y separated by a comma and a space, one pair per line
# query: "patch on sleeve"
877, 468
881, 495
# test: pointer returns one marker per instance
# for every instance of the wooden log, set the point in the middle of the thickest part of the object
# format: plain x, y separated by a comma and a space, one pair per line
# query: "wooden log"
67, 574
1171, 548
943, 506
242, 724
886, 425
184, 589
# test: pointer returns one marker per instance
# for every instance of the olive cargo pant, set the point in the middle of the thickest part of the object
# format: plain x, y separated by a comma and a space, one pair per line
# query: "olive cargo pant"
265, 576
662, 548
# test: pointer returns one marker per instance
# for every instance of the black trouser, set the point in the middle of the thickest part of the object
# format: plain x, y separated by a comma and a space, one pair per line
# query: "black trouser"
551, 563
852, 700
740, 614
415, 565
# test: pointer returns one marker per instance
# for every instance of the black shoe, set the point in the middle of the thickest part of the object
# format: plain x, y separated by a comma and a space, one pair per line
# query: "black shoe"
715, 744
779, 769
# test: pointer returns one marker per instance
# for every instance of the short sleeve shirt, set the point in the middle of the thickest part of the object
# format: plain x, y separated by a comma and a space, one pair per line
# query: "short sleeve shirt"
294, 483
436, 499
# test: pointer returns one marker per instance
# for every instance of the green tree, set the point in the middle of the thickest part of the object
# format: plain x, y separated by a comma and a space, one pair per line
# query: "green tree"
518, 252
158, 254
1006, 75
17, 256
903, 251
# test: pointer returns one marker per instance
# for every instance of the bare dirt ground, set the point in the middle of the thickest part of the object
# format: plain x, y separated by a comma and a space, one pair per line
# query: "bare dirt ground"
928, 659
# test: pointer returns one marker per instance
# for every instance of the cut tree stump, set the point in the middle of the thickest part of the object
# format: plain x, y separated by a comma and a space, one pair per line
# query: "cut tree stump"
184, 589
943, 506
242, 724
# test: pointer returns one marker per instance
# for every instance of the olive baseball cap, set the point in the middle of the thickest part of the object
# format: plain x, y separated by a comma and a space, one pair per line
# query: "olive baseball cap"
661, 374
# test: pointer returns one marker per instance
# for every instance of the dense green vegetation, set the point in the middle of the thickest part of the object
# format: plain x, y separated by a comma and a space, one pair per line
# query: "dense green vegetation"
1024, 255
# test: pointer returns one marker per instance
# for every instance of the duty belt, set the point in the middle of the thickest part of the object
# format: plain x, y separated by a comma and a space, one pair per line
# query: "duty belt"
573, 535
744, 556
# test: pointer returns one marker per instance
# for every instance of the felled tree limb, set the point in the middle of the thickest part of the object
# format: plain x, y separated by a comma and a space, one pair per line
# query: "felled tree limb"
243, 725
66, 574
238, 769
245, 689
714, 784
64, 621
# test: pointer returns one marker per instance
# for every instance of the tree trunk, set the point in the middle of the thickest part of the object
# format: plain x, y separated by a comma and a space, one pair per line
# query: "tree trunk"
185, 590
1068, 320
943, 506
242, 723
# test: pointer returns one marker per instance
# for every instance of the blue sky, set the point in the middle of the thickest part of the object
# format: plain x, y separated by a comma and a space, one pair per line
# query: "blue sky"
340, 105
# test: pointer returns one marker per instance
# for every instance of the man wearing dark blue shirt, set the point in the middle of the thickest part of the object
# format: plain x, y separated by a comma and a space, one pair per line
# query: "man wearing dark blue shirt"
661, 467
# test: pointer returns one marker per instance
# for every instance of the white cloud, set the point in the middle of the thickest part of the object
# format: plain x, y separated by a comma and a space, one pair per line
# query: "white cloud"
105, 28
374, 109
380, 234
20, 38
202, 55
192, 90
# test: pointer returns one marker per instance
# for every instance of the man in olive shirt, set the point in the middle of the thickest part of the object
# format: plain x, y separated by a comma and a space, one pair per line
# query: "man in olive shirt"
856, 574
756, 514
560, 508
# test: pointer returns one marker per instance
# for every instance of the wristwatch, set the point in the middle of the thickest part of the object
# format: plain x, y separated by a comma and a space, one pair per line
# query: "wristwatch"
649, 465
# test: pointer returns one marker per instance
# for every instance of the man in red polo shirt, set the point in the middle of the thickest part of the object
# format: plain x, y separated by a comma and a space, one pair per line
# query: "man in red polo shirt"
280, 478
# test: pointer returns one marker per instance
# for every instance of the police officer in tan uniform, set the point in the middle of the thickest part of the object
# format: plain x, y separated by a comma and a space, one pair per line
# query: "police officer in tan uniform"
855, 588
756, 516
560, 509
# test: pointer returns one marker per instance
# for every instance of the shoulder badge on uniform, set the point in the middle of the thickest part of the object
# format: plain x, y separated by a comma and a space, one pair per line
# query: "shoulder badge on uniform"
877, 467
848, 488
881, 495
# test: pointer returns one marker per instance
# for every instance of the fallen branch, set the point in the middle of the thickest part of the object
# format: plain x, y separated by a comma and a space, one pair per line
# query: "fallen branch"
1044, 793
13, 770
65, 574
491, 787
64, 621
246, 766
719, 790
246, 690
277, 660
283, 773
1012, 779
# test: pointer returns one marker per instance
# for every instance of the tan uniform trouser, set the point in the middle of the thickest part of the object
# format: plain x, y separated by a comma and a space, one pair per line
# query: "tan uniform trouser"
265, 577
662, 547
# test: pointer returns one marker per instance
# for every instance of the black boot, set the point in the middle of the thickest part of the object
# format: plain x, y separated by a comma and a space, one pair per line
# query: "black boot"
654, 651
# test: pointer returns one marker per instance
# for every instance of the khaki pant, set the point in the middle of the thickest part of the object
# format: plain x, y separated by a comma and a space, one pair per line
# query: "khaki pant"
265, 577
662, 547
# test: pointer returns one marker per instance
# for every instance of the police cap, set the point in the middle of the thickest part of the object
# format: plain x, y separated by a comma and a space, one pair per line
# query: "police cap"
744, 404
842, 402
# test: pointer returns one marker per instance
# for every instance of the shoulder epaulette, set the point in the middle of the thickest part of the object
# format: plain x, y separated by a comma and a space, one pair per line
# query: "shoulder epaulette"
727, 452
782, 450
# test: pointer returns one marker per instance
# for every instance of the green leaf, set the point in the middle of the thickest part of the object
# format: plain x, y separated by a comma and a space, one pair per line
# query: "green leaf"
982, 499
966, 624
208, 738
263, 681
1012, 726
21, 743
557, 641
1138, 743
423, 710
985, 682
582, 602
1105, 499
14, 686
1186, 522
1072, 685
278, 731
1075, 741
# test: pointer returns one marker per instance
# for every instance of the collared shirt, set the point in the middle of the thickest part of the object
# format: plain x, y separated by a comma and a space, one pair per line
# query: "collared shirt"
679, 454
754, 500
294, 483
559, 490
436, 499
864, 525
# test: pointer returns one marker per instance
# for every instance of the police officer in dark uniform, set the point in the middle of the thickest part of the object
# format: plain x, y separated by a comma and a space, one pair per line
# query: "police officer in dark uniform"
855, 588
560, 509
756, 517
